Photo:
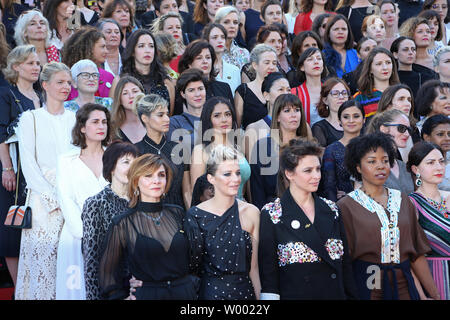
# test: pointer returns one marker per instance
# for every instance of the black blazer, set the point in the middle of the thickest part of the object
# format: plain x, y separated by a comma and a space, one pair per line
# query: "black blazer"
300, 260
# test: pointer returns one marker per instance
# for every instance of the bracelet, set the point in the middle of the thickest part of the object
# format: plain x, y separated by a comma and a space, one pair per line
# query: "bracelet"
7, 169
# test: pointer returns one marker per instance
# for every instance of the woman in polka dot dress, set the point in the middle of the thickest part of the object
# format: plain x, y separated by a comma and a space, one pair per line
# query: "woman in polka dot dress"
227, 229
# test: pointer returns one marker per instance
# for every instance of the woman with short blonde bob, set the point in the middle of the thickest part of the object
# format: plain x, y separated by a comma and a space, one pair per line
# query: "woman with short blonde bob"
229, 231
149, 238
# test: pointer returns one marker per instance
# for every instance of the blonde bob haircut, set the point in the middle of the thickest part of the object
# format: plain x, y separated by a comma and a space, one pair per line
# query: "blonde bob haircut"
143, 166
219, 154
17, 56
146, 104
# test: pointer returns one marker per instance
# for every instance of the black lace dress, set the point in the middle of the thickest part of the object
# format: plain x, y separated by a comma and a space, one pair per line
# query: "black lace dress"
150, 242
226, 255
97, 215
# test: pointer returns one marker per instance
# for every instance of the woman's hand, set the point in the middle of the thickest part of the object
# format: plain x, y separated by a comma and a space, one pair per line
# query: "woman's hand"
133, 285
9, 180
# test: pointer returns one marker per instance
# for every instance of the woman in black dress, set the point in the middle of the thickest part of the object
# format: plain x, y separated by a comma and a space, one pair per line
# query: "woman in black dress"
22, 71
153, 112
126, 124
148, 240
228, 234
303, 251
99, 210
141, 60
200, 54
333, 94
249, 100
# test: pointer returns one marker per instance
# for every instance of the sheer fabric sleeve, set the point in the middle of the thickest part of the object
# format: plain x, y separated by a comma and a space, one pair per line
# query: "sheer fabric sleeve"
112, 266
329, 175
195, 237
319, 134
30, 168
268, 259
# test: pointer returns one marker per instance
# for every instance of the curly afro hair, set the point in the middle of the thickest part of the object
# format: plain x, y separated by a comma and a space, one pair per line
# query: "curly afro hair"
360, 146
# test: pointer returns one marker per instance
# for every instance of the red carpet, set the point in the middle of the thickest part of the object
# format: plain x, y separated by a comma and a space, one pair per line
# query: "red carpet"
6, 293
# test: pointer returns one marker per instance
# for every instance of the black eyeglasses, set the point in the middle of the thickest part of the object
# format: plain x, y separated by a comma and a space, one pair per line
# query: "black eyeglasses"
401, 128
337, 93
87, 75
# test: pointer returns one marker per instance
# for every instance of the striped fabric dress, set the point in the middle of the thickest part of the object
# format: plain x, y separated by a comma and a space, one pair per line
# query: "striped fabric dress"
436, 224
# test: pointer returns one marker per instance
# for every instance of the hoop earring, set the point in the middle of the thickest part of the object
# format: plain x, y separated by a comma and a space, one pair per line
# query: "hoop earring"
136, 192
418, 180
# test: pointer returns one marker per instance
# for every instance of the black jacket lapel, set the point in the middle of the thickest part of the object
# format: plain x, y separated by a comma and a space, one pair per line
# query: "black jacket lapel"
307, 231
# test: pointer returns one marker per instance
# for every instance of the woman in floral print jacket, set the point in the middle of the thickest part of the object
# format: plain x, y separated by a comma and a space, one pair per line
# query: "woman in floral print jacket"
303, 250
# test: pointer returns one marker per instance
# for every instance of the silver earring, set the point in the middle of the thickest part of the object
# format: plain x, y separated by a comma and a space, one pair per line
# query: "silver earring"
418, 180
136, 192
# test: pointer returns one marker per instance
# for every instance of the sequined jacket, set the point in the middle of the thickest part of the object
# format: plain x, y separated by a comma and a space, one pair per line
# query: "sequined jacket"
302, 260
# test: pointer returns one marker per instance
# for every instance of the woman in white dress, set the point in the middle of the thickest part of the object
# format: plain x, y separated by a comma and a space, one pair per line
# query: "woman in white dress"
84, 179
43, 135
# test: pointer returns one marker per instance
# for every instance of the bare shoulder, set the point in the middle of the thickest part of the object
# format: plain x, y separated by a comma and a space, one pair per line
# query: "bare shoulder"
248, 209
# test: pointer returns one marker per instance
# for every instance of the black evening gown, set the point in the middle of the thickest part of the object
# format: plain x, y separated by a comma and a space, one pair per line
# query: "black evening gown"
253, 109
226, 258
148, 242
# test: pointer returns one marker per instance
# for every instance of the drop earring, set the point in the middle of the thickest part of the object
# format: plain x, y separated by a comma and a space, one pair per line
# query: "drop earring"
418, 180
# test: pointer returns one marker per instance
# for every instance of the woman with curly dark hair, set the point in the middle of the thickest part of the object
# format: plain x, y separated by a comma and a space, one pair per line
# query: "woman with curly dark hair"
89, 43
381, 224
141, 60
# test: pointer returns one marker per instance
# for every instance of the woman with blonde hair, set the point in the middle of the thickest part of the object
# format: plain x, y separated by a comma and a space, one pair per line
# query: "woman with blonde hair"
126, 124
33, 28
21, 72
43, 134
229, 233
149, 238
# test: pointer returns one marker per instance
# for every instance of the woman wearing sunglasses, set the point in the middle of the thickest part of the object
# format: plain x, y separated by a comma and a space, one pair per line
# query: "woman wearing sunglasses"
396, 124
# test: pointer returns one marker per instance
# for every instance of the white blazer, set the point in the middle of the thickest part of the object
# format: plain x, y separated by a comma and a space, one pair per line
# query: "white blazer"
231, 75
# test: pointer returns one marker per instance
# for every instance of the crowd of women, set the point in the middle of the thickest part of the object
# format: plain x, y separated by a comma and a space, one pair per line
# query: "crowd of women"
226, 151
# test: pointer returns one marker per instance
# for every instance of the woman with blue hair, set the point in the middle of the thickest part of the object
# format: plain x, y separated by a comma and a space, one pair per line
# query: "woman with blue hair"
85, 78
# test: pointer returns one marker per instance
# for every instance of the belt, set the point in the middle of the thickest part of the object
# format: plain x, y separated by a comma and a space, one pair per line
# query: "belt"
169, 283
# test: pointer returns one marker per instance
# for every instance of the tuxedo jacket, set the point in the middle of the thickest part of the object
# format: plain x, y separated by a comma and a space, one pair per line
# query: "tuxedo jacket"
302, 260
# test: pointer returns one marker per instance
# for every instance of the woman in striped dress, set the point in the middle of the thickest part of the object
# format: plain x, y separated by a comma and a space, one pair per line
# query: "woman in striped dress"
427, 165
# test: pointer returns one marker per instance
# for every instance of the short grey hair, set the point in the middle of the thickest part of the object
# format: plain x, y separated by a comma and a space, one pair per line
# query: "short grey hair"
78, 68
22, 24
258, 50
17, 56
224, 11
438, 55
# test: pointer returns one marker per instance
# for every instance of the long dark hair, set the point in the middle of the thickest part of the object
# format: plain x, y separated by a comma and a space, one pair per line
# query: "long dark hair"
301, 75
418, 152
192, 51
365, 81
157, 70
82, 116
207, 111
